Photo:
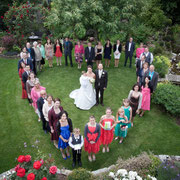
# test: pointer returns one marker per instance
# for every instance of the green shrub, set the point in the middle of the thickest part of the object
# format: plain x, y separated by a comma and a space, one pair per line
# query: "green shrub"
168, 95
162, 65
80, 174
158, 50
154, 165
16, 48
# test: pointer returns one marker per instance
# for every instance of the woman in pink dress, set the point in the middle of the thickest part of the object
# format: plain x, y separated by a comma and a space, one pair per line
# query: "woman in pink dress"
139, 51
58, 52
146, 96
79, 53
107, 124
35, 95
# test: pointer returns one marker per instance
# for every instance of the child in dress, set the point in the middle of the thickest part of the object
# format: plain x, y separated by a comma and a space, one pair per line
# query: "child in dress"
121, 125
128, 111
107, 124
76, 142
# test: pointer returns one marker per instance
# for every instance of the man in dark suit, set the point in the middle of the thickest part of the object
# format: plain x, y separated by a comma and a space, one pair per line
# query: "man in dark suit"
32, 56
129, 50
25, 75
26, 61
139, 65
148, 56
100, 83
68, 46
89, 55
40, 103
154, 77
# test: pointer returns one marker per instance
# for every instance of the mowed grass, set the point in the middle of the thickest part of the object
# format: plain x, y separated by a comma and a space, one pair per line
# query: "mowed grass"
156, 131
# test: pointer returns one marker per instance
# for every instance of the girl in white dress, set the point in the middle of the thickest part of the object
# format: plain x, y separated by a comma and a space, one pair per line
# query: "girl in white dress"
117, 53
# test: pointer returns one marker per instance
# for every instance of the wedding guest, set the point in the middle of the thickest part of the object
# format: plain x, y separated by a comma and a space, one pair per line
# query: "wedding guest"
129, 50
107, 124
32, 55
25, 60
35, 94
89, 54
48, 104
142, 74
98, 53
148, 55
40, 103
117, 53
30, 84
76, 142
42, 50
128, 111
79, 53
58, 52
49, 52
146, 91
153, 77
107, 52
64, 130
38, 56
54, 116
92, 142
139, 51
21, 71
25, 74
139, 67
135, 99
68, 46
121, 125
24, 50
101, 79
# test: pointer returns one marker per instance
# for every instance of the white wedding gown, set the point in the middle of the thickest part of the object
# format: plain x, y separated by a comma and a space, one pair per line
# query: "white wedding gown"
85, 97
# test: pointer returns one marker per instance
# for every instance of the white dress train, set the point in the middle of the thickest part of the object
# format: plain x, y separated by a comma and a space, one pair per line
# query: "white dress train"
85, 97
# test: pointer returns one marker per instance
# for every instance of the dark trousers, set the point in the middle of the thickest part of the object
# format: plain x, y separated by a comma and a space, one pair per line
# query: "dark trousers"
78, 154
90, 63
128, 55
44, 123
101, 90
70, 58
34, 67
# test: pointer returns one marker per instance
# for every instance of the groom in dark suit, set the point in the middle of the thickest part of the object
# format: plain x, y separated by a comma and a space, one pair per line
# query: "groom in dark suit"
100, 83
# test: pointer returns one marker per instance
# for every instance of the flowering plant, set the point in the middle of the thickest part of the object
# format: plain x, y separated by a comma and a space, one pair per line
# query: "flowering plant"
23, 19
92, 80
27, 169
123, 174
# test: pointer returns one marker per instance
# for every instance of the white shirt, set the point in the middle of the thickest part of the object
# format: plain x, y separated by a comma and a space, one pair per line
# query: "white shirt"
89, 49
76, 138
146, 54
100, 73
129, 46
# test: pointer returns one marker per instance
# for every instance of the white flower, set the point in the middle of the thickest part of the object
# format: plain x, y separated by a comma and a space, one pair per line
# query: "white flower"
132, 175
125, 179
121, 172
138, 178
153, 178
116, 179
111, 174
92, 80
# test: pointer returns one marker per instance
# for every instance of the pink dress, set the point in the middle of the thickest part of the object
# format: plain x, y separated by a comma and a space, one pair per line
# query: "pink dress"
79, 51
36, 95
139, 51
146, 98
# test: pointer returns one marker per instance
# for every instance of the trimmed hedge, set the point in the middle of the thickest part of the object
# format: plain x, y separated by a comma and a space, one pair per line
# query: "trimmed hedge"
168, 95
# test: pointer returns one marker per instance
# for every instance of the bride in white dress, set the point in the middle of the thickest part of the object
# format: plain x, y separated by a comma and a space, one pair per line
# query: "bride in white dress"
85, 97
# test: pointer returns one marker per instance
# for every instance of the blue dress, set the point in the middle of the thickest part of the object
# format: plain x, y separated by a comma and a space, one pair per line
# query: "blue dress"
65, 133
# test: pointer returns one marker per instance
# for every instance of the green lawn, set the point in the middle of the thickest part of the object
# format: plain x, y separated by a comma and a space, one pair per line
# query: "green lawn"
156, 131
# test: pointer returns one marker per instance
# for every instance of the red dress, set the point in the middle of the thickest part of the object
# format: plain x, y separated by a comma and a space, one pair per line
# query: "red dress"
92, 148
107, 135
24, 93
58, 52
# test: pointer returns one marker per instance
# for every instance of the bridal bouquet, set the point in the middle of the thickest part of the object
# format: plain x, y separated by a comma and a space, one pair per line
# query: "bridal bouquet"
92, 80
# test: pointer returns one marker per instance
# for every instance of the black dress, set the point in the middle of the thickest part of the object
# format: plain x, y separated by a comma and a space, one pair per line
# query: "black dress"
134, 105
99, 56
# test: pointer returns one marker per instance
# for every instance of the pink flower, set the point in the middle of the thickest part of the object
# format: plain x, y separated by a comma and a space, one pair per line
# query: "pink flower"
21, 172
21, 158
53, 169
2, 17
37, 165
17, 167
31, 176
44, 178
41, 161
